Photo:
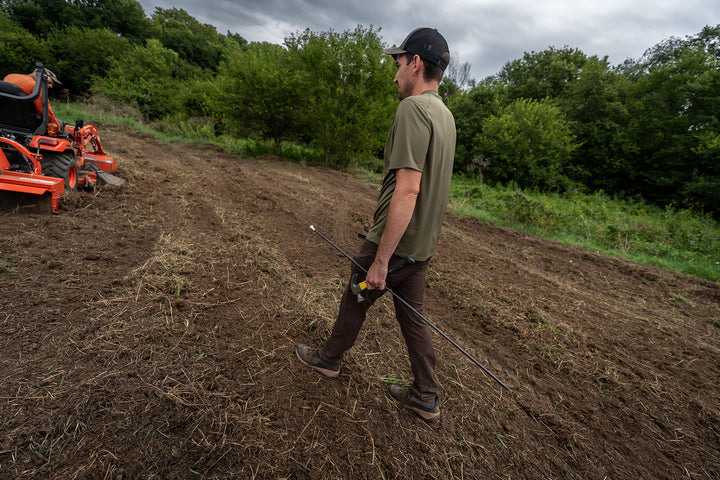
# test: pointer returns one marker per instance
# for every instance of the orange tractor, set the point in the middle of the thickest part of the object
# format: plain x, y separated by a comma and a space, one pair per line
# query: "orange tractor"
41, 161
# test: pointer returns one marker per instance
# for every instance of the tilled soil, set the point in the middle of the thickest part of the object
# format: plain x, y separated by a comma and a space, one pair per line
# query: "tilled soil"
148, 331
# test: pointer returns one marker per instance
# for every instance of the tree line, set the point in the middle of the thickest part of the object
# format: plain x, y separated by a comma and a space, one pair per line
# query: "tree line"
555, 120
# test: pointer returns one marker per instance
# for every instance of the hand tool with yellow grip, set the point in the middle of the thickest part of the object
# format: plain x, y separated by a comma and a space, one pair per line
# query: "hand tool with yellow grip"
420, 315
357, 288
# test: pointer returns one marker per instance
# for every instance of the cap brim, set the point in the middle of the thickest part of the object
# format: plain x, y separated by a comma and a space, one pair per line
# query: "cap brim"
393, 51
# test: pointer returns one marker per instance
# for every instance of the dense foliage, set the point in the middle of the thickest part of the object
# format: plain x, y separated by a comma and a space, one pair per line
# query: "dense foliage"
647, 128
556, 120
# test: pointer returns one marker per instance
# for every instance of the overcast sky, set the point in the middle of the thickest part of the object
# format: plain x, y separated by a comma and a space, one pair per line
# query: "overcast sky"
484, 33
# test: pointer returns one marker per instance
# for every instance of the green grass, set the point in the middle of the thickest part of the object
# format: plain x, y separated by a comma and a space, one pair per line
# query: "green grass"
176, 130
100, 111
673, 238
678, 239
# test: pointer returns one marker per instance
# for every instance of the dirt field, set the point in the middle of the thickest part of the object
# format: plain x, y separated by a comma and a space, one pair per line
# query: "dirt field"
148, 332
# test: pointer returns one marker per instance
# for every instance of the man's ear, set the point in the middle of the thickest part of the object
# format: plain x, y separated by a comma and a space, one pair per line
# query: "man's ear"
417, 63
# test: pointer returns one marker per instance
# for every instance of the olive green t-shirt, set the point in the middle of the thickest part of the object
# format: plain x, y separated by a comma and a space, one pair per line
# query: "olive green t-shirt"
422, 137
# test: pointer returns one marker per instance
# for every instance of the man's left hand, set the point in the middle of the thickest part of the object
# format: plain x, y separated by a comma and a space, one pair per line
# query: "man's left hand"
377, 273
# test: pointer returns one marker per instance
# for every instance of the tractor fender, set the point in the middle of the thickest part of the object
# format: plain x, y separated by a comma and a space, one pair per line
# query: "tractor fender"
51, 144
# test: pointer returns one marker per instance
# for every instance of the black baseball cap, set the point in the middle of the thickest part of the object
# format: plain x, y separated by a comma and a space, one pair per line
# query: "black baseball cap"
426, 43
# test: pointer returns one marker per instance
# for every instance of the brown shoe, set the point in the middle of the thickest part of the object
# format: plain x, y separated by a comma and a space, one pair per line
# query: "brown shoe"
309, 356
428, 411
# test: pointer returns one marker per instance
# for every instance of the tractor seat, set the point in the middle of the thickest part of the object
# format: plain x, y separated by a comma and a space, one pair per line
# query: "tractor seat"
17, 115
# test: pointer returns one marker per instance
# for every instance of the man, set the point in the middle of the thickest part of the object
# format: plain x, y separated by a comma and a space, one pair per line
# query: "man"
410, 209
27, 85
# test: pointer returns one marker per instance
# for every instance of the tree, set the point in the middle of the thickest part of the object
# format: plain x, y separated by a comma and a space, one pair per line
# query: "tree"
196, 43
674, 102
670, 51
539, 75
595, 105
458, 72
84, 55
20, 48
456, 77
124, 17
530, 143
258, 94
42, 17
347, 90
144, 76
470, 109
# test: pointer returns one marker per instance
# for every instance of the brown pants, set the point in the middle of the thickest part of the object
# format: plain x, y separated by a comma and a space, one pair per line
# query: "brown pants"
409, 284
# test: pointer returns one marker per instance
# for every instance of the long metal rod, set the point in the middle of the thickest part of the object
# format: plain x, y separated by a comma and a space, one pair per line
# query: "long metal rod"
416, 312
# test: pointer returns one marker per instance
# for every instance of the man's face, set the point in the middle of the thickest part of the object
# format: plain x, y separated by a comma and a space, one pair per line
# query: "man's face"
403, 77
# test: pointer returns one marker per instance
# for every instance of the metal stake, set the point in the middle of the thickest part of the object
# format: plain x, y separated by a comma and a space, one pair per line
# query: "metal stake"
416, 312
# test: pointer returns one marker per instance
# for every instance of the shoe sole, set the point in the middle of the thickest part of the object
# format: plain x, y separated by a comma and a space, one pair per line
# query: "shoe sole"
323, 371
427, 416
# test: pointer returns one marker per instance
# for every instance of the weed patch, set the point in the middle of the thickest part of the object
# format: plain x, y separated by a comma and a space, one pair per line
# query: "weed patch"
683, 240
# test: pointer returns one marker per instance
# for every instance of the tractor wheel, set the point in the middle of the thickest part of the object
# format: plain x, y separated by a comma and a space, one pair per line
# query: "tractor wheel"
61, 165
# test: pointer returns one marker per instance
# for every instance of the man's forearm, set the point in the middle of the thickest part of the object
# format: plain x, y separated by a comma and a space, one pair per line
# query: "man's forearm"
400, 211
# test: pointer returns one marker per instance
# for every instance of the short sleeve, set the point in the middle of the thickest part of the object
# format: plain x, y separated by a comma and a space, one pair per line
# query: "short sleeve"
411, 136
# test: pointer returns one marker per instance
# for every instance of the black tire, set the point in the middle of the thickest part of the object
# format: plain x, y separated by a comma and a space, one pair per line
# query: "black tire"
61, 165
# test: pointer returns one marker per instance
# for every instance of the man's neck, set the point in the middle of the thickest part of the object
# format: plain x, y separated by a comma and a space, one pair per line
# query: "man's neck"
424, 86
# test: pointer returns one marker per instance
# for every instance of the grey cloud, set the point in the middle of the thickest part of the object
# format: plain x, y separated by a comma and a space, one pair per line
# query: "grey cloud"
487, 34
